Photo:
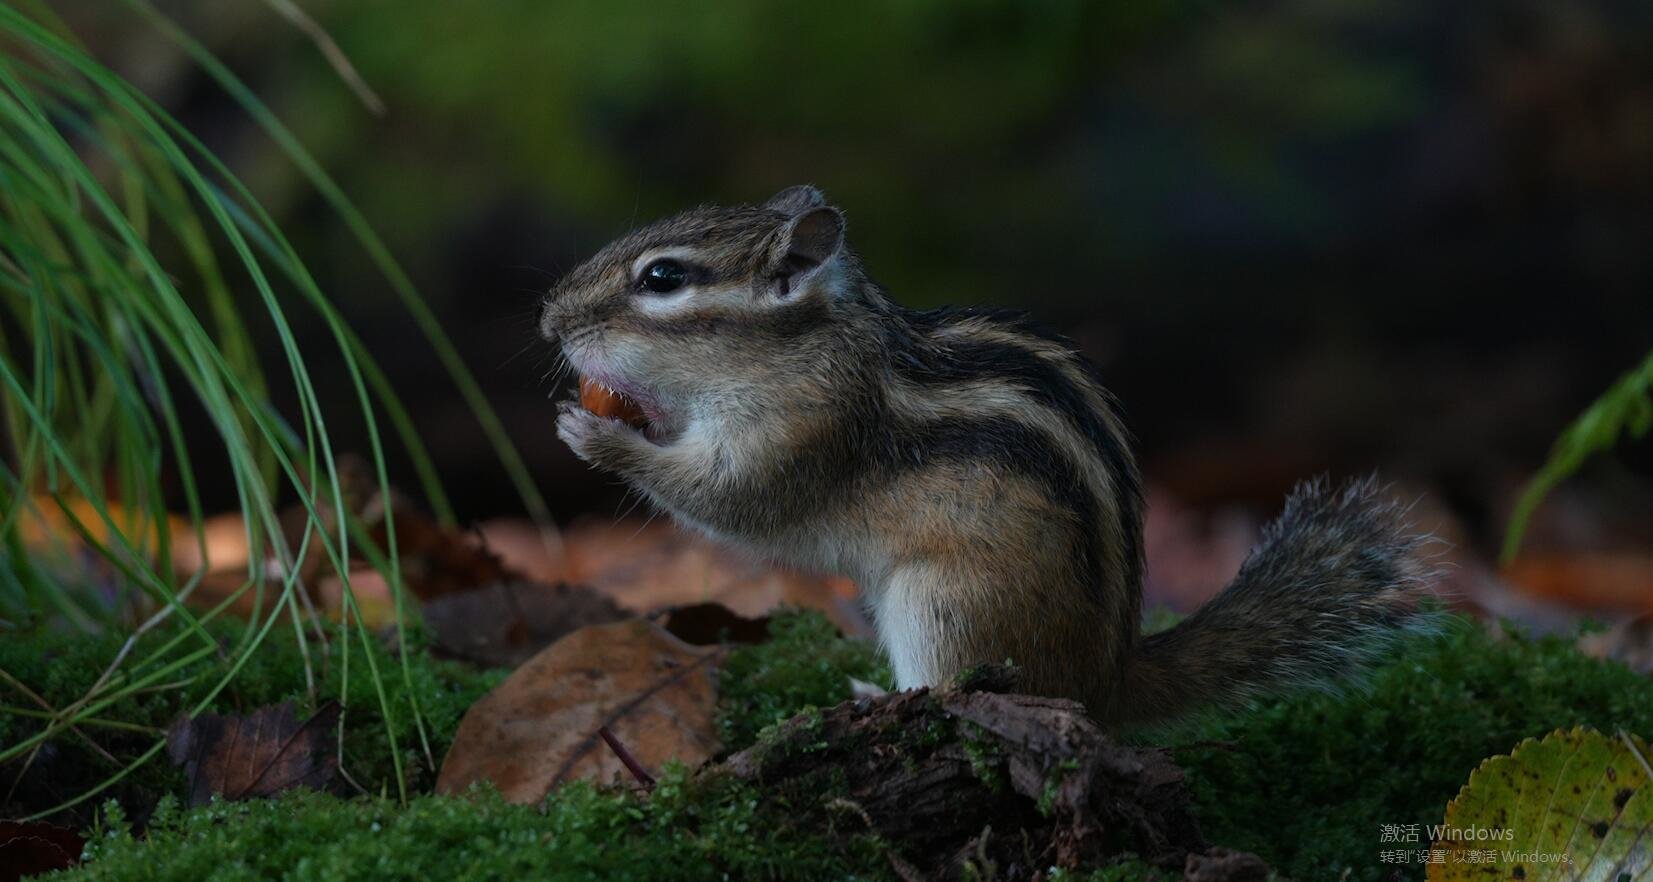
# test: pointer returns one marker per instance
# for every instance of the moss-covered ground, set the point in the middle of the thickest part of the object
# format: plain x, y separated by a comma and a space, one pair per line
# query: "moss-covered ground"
1308, 781
687, 829
61, 667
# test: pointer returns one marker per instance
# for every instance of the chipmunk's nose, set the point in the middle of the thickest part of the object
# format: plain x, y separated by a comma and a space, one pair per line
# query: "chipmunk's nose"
566, 313
562, 316
550, 319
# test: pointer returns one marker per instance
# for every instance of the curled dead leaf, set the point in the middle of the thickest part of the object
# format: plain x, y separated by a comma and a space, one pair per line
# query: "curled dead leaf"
1622, 581
31, 847
258, 755
653, 565
505, 624
540, 727
1630, 641
705, 624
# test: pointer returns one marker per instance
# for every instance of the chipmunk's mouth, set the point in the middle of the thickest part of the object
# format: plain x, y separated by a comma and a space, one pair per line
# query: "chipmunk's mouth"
608, 402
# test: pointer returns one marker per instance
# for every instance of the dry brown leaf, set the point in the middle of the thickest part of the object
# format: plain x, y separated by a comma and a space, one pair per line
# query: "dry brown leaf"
504, 625
1191, 553
648, 566
31, 847
1622, 580
706, 624
259, 755
539, 728
46, 524
1630, 641
641, 566
436, 560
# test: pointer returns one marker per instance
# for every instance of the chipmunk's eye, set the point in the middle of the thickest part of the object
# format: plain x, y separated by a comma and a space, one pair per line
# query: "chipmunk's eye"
665, 276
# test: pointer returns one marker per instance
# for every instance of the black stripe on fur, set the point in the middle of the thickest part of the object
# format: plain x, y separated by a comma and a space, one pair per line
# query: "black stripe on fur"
924, 362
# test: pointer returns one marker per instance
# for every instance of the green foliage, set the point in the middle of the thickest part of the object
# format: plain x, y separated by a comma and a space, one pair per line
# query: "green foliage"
689, 829
1129, 871
806, 663
134, 271
1625, 410
60, 667
1309, 778
714, 102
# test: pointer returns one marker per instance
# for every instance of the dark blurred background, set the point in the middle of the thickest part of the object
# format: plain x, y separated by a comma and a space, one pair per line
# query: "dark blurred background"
1297, 235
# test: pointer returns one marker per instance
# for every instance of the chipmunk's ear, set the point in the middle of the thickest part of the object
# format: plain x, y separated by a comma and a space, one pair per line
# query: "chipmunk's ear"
796, 200
806, 243
811, 236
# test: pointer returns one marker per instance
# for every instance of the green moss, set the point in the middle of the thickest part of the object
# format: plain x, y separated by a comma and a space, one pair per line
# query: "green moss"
687, 829
1053, 784
1132, 870
60, 668
806, 663
1309, 779
986, 760
1306, 781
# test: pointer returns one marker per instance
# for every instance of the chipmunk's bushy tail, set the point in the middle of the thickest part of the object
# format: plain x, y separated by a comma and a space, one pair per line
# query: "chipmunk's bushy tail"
1336, 578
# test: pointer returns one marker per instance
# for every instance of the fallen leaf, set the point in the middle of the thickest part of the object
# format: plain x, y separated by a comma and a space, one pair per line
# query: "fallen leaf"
1621, 580
375, 603
46, 524
31, 847
436, 560
505, 624
221, 547
1573, 805
1630, 642
539, 728
709, 624
1191, 553
647, 566
260, 755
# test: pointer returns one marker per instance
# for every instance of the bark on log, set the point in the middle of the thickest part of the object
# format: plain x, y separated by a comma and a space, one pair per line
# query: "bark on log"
1011, 784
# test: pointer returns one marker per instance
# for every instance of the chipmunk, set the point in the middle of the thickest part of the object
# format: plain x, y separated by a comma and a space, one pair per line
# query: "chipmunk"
740, 369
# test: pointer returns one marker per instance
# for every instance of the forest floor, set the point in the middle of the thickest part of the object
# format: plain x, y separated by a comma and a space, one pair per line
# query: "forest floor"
561, 735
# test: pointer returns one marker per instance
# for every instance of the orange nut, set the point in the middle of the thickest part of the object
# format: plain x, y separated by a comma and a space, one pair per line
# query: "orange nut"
606, 402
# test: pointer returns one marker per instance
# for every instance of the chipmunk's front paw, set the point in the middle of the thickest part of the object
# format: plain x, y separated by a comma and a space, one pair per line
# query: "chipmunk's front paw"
601, 441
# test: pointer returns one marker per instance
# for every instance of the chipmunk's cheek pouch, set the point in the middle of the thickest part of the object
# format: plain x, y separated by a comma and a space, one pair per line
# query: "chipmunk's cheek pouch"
601, 400
606, 402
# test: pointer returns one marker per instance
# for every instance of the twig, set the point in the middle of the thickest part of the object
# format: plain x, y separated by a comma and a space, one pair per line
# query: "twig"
28, 763
343, 710
330, 51
630, 762
89, 721
56, 715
